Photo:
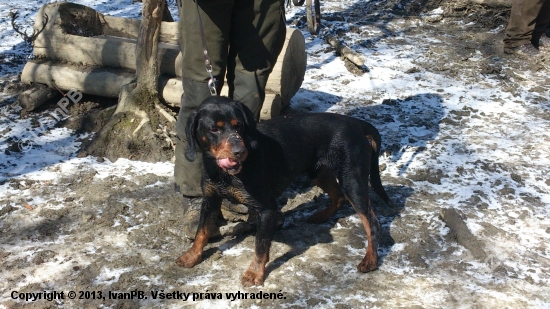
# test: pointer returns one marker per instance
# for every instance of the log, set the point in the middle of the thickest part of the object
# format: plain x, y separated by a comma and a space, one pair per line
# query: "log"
272, 106
107, 82
129, 28
77, 19
105, 51
171, 90
36, 96
97, 81
289, 70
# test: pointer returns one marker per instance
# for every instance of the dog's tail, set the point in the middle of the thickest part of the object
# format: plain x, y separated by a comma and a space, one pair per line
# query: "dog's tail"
376, 183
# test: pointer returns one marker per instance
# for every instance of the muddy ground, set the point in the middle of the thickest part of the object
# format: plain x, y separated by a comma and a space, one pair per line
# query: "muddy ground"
90, 225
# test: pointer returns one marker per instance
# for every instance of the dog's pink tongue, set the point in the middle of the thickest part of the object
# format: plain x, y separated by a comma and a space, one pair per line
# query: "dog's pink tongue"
226, 163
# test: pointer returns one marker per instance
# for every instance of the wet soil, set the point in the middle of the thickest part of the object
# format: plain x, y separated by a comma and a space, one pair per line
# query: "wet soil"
120, 233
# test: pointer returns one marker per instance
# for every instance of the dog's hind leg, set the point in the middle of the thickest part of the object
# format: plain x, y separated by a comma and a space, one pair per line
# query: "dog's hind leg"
209, 212
355, 188
375, 171
266, 223
326, 180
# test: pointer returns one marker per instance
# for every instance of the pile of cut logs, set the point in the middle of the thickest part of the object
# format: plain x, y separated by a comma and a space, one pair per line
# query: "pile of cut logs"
82, 49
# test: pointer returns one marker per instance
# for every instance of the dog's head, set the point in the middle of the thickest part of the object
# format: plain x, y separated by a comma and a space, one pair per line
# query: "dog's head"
224, 130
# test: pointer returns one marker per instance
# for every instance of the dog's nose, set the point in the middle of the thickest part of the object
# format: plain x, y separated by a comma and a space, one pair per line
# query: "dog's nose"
238, 151
237, 146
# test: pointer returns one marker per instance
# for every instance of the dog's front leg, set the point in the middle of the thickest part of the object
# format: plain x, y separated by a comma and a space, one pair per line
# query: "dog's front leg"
266, 226
209, 212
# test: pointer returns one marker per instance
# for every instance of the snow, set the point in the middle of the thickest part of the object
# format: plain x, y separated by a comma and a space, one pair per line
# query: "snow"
504, 142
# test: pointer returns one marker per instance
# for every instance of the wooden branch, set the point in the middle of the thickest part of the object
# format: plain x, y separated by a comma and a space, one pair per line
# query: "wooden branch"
462, 233
164, 113
351, 55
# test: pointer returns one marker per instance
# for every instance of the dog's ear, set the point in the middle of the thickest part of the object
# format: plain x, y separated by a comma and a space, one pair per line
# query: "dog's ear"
250, 122
190, 133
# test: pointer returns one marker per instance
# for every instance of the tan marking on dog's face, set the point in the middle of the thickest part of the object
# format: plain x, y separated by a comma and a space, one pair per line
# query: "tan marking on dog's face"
234, 122
220, 124
223, 150
204, 138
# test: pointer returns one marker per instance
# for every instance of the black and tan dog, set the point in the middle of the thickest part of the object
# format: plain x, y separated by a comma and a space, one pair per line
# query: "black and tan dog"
253, 164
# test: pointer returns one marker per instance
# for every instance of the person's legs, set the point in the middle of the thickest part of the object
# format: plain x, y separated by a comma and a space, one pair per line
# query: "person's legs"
216, 24
215, 18
257, 37
257, 31
521, 25
542, 26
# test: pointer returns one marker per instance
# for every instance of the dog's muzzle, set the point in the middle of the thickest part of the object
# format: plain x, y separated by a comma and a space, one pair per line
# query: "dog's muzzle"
233, 164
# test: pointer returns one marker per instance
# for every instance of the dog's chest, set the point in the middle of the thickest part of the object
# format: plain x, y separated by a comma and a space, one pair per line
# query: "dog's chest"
230, 188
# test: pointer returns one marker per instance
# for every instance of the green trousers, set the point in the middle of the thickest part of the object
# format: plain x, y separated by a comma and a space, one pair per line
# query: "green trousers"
244, 38
529, 19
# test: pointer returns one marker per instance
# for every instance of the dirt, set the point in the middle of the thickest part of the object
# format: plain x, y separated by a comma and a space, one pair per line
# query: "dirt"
120, 233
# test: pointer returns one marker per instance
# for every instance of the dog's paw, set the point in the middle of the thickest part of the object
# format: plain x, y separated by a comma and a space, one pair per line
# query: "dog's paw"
367, 265
188, 259
251, 278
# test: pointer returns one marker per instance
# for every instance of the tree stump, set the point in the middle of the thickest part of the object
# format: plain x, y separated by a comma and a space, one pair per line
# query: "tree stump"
138, 128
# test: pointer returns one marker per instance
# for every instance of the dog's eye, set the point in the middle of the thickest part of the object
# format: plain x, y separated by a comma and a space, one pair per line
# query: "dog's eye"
215, 130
